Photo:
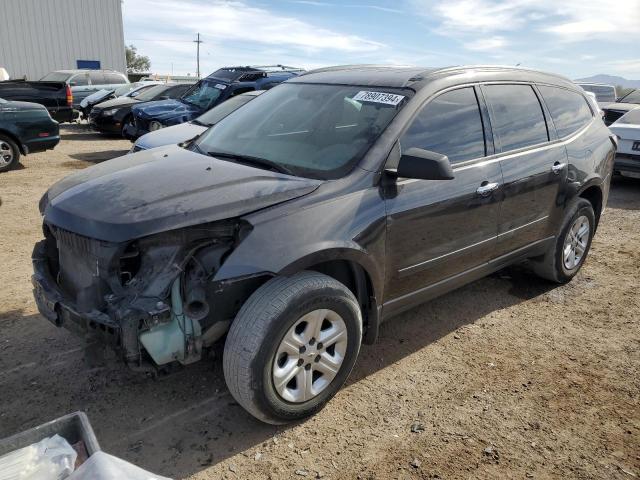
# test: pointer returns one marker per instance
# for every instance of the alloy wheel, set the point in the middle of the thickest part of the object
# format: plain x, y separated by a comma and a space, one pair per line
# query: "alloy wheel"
6, 154
575, 243
309, 355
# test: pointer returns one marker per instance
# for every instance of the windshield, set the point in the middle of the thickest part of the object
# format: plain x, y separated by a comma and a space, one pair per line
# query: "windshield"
216, 114
204, 94
152, 93
633, 117
120, 91
631, 97
317, 131
56, 77
603, 93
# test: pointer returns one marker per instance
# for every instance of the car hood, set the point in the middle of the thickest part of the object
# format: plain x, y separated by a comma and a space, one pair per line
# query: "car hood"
170, 135
96, 97
163, 189
118, 102
166, 109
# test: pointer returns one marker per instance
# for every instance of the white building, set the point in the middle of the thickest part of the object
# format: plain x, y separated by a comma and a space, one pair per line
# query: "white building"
39, 36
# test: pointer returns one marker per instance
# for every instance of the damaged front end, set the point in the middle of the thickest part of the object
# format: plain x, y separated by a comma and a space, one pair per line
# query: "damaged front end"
152, 299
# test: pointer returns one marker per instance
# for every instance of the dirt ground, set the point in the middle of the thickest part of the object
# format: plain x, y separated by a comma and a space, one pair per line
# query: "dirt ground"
509, 377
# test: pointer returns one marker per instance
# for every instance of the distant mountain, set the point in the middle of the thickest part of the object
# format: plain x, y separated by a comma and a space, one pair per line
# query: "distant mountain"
611, 80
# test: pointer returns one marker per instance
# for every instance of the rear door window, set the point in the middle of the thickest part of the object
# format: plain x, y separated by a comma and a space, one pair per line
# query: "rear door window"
450, 124
569, 110
114, 79
97, 78
79, 80
516, 116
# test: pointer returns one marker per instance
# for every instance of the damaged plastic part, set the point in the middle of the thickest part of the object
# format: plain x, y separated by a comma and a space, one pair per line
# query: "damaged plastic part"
51, 458
179, 340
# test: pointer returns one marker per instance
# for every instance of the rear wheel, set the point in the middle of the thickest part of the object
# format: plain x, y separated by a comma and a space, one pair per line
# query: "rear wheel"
569, 252
292, 346
9, 153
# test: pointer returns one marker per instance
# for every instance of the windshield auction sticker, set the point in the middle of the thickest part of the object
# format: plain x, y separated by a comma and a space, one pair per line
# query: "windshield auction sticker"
379, 97
220, 86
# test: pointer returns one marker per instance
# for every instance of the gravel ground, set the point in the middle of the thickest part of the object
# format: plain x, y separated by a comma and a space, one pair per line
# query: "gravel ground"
509, 377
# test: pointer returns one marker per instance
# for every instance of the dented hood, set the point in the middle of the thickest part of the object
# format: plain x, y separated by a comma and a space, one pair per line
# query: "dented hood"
160, 190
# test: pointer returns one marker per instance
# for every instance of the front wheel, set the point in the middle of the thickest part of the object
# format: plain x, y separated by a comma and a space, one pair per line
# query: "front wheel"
292, 346
569, 252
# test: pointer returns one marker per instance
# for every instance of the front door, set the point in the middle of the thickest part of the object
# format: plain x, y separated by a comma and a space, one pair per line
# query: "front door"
437, 230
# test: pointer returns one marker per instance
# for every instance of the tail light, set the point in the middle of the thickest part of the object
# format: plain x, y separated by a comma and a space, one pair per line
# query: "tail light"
69, 96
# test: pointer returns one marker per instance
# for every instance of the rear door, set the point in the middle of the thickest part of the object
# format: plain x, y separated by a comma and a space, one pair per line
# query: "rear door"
534, 169
437, 230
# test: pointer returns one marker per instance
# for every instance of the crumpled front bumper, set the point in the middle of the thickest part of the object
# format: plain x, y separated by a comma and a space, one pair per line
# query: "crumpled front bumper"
61, 311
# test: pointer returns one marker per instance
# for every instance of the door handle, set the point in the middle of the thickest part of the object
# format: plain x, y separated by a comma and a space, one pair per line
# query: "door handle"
487, 189
558, 167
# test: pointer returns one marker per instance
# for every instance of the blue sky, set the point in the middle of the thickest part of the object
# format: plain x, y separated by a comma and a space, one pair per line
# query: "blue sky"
576, 38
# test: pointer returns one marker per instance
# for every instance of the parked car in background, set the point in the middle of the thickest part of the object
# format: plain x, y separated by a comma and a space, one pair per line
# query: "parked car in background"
300, 222
113, 115
4, 75
186, 131
56, 97
594, 103
204, 95
85, 82
129, 90
604, 93
613, 111
24, 128
627, 129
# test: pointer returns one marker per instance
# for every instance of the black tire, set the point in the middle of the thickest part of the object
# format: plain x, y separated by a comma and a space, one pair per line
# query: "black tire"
125, 122
260, 326
15, 153
551, 266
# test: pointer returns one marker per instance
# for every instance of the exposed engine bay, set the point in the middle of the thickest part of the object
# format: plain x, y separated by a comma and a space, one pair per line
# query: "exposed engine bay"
152, 299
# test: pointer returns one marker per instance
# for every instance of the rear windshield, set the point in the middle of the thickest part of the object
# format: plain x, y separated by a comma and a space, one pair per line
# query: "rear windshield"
633, 117
56, 77
312, 130
632, 97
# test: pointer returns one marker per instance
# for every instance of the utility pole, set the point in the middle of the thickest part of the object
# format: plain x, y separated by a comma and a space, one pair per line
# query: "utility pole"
197, 41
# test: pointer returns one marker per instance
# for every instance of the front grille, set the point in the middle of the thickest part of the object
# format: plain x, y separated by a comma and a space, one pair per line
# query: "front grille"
611, 116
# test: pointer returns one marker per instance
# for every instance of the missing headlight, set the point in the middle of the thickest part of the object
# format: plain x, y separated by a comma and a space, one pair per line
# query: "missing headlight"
130, 261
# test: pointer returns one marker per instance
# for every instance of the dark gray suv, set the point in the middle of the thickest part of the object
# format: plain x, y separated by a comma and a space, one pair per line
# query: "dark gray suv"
296, 225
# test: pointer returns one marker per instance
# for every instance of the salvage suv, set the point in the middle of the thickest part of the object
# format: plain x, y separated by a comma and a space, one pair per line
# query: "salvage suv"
295, 226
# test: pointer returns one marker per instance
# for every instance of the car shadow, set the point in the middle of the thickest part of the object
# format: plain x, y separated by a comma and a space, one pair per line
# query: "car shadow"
624, 193
97, 157
178, 424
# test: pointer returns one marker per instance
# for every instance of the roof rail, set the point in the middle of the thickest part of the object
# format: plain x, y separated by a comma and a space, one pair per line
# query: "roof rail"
277, 68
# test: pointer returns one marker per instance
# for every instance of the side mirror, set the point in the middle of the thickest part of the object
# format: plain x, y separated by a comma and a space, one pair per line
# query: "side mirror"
424, 165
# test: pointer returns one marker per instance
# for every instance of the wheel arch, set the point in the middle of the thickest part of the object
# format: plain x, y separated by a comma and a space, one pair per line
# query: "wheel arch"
355, 270
13, 137
594, 195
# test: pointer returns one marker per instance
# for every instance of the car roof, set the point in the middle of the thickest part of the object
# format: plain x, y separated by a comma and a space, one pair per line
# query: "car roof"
417, 77
81, 70
596, 84
252, 93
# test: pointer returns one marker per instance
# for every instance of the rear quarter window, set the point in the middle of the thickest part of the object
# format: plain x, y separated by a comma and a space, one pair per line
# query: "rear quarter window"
516, 116
97, 78
569, 110
114, 79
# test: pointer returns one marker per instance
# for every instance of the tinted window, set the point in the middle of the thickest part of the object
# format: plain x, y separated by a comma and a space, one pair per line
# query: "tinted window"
177, 90
569, 110
97, 78
80, 80
147, 94
517, 118
450, 124
114, 78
